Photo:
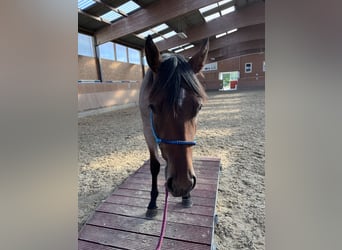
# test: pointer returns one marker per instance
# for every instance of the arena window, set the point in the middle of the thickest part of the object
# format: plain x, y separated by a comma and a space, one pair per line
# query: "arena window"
106, 51
121, 53
85, 45
133, 56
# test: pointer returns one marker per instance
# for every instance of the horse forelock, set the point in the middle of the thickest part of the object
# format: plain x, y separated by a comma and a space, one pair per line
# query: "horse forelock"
174, 74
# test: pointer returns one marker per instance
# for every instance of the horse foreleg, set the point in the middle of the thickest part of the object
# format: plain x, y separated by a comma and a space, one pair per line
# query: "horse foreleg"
187, 201
152, 206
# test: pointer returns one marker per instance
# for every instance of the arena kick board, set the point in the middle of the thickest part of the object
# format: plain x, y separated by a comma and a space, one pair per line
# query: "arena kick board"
120, 223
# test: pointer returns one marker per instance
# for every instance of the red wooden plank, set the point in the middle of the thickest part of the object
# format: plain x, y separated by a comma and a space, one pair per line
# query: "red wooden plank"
196, 160
133, 241
203, 201
198, 165
200, 178
201, 166
147, 183
199, 161
132, 193
207, 173
126, 200
195, 209
201, 190
173, 204
206, 159
152, 227
85, 245
120, 223
147, 178
200, 173
173, 216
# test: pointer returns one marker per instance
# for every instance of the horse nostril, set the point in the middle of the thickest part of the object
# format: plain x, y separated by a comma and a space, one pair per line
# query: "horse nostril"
169, 184
193, 182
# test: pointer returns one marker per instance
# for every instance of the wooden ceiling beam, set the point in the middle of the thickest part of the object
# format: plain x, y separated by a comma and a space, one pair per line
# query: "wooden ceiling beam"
152, 15
249, 33
111, 8
240, 53
250, 15
235, 49
92, 17
85, 31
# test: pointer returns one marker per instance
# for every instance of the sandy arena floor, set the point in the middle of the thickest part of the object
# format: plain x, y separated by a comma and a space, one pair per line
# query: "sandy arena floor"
231, 126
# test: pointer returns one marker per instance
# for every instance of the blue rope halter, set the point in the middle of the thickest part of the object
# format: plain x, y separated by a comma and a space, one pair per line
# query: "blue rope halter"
160, 140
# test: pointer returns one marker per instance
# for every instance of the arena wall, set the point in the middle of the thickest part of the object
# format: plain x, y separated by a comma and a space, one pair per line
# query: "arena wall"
247, 80
121, 81
119, 87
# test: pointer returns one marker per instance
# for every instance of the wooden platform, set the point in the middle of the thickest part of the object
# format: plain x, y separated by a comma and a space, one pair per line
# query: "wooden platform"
120, 223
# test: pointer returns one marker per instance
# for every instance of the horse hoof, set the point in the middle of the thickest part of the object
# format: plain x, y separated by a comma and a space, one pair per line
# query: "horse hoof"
186, 202
151, 213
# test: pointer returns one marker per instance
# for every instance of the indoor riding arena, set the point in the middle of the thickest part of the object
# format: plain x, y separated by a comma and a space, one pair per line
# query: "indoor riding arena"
112, 64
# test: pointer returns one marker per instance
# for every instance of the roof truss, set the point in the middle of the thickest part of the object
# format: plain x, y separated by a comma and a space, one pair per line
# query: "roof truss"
255, 32
180, 16
251, 15
152, 15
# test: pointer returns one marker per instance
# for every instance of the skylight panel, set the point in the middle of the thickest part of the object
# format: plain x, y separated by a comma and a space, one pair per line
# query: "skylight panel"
144, 34
189, 46
158, 39
173, 48
179, 50
161, 27
224, 1
212, 16
180, 47
128, 7
171, 33
228, 10
209, 7
231, 31
83, 4
221, 35
156, 30
185, 44
111, 16
225, 33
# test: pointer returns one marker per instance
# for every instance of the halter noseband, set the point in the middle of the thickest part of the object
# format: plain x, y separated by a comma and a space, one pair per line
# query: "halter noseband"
160, 140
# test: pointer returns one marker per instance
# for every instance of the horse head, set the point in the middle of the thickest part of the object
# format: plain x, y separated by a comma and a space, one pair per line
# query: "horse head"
175, 99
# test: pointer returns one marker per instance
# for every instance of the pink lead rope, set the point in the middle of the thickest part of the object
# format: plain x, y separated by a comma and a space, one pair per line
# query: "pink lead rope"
162, 231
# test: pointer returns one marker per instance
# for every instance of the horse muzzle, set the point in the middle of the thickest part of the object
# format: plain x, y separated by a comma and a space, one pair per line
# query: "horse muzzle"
181, 189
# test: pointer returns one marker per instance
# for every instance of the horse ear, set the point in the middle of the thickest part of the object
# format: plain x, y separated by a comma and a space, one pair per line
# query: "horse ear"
198, 60
152, 54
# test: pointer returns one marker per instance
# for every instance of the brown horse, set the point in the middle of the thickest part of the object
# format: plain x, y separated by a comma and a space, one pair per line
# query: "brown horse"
170, 99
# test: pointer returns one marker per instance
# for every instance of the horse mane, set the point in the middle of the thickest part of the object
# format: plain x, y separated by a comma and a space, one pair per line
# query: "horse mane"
173, 74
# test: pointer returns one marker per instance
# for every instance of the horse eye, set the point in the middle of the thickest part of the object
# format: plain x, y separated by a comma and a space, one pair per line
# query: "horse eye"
196, 109
151, 106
